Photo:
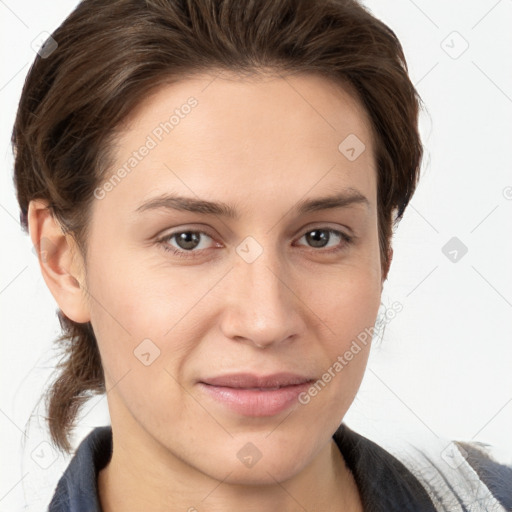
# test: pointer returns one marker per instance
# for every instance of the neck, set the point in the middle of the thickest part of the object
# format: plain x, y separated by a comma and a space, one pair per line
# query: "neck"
145, 477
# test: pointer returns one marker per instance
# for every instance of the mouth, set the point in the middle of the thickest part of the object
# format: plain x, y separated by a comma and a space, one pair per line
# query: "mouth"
253, 395
252, 381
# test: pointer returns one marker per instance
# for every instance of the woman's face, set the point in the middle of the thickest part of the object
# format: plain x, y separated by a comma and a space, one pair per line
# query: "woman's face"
183, 291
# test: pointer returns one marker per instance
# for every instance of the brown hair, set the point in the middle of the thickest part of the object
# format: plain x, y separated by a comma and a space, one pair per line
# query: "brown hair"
111, 54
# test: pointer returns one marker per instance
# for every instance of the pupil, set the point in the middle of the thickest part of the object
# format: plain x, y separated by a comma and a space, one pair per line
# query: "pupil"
188, 240
318, 238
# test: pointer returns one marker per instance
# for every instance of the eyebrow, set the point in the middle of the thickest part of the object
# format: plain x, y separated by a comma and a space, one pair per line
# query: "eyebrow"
345, 199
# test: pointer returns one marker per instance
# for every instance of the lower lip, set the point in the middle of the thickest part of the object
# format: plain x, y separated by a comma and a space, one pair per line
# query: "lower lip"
253, 402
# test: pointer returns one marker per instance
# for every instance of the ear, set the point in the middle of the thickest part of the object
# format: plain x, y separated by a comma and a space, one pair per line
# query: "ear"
60, 261
386, 270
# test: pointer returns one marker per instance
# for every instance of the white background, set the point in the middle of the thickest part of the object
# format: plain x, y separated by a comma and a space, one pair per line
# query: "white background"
444, 365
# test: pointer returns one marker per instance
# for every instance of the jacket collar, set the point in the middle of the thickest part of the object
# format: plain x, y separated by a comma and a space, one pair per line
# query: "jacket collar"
384, 483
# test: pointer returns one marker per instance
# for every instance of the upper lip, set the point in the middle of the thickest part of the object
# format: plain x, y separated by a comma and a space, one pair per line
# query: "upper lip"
249, 380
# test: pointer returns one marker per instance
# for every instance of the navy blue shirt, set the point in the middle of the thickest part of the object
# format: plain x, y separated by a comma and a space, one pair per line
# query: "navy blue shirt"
385, 484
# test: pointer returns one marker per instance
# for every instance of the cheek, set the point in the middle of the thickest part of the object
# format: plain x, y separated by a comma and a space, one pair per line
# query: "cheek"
128, 295
133, 318
346, 301
142, 314
348, 304
349, 309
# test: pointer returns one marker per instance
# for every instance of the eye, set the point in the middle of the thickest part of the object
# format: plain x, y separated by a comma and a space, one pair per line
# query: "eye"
190, 243
186, 241
319, 238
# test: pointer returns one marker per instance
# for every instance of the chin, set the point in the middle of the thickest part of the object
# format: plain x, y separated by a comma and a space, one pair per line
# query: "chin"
248, 465
260, 474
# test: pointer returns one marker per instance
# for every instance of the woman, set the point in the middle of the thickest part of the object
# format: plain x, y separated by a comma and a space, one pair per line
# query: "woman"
212, 187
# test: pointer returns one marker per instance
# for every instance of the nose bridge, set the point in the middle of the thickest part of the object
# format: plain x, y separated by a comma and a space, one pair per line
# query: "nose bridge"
262, 308
263, 280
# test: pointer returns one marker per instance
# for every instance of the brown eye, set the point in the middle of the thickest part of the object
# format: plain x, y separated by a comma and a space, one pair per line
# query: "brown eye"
320, 238
187, 240
185, 243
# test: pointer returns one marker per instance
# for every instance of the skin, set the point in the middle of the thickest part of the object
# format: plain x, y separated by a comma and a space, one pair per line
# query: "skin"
261, 145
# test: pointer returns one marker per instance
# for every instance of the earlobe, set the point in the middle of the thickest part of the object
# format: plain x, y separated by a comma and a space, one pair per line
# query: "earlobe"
59, 260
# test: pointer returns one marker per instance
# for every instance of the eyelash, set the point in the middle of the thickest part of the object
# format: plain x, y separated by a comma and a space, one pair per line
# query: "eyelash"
163, 242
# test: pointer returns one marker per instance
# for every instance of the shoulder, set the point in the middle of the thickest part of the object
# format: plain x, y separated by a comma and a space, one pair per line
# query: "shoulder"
493, 467
77, 489
384, 482
460, 475
428, 474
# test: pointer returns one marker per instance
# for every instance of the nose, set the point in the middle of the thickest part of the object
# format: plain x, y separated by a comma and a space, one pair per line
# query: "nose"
262, 307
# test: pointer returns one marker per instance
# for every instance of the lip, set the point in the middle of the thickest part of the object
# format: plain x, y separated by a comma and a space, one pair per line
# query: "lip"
255, 395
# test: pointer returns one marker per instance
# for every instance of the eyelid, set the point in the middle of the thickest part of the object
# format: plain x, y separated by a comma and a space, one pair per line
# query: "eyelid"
343, 229
166, 233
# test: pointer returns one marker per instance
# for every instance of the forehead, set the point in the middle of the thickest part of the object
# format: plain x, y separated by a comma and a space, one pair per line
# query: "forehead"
229, 100
248, 136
